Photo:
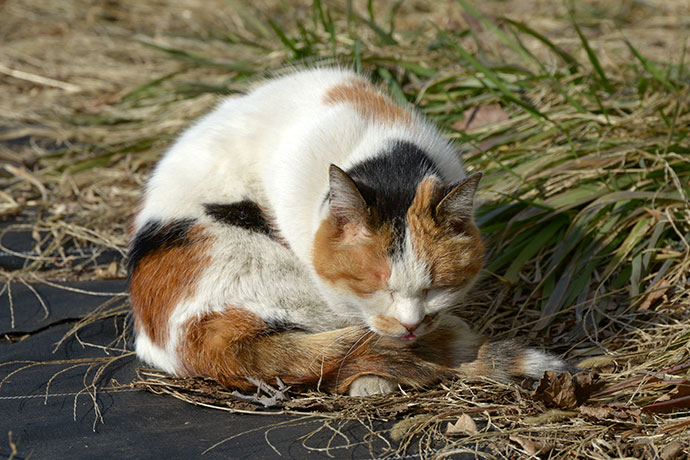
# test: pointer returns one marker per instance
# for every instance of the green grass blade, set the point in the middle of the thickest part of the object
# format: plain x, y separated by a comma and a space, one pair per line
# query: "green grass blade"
289, 44
649, 67
502, 36
571, 62
397, 92
536, 242
634, 237
152, 84
491, 76
238, 66
594, 60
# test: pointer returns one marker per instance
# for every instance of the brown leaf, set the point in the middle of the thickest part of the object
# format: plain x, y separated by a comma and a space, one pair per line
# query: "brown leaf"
477, 117
655, 293
671, 451
612, 413
464, 426
566, 391
532, 447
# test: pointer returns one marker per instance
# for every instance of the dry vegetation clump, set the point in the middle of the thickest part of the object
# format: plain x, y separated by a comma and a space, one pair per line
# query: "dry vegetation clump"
578, 114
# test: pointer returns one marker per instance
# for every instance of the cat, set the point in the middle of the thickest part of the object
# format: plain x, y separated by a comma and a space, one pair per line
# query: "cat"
314, 231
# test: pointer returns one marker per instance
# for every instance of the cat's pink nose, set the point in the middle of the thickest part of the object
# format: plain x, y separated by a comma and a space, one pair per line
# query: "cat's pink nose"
411, 327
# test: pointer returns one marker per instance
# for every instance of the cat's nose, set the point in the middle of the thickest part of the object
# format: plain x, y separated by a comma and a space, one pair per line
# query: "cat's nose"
411, 327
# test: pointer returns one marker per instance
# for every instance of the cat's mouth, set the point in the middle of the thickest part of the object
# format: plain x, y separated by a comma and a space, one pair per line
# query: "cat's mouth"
391, 327
409, 337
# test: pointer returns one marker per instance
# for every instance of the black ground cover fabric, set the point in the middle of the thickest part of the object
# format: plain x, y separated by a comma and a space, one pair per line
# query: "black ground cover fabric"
19, 248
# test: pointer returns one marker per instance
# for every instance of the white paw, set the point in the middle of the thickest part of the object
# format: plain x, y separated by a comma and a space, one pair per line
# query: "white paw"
368, 385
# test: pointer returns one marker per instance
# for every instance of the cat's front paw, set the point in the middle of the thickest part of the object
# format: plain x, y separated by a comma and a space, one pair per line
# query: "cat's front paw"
368, 385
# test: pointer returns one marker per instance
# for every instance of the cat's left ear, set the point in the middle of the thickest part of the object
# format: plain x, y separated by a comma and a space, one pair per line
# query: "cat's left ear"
458, 204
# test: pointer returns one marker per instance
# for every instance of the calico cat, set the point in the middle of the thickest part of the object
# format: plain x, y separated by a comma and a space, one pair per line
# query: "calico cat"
315, 231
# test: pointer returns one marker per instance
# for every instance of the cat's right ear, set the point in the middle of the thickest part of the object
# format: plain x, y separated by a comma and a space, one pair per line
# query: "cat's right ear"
457, 207
347, 205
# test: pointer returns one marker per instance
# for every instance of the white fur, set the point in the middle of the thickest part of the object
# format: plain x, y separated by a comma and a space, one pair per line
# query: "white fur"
537, 362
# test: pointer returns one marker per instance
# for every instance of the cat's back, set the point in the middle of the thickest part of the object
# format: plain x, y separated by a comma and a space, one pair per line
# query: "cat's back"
220, 158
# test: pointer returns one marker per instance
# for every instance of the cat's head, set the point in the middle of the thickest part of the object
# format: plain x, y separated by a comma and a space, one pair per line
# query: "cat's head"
398, 273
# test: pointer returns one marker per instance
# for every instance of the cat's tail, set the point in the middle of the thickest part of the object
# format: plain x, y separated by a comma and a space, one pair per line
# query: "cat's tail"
509, 359
501, 360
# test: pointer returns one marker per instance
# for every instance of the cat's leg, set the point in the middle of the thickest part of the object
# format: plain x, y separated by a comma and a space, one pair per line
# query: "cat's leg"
235, 347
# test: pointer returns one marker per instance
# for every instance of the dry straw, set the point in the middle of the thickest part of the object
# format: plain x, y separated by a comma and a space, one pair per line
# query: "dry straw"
578, 113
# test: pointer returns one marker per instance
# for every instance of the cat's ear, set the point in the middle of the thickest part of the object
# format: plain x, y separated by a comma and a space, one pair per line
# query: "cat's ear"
457, 207
346, 202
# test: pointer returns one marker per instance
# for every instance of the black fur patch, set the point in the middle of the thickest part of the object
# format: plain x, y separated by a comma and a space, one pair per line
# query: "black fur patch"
389, 182
278, 326
245, 214
155, 236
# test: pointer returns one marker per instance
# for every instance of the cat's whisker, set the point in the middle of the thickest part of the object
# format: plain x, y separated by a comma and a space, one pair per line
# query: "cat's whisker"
368, 336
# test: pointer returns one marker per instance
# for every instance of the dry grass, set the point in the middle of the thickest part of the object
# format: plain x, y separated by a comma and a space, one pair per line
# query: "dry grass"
585, 195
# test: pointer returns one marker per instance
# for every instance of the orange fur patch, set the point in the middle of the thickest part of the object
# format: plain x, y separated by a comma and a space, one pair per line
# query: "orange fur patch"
209, 341
165, 277
454, 259
371, 104
360, 265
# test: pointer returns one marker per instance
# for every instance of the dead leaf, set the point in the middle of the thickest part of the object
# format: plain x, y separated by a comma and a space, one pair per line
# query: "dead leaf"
612, 413
464, 426
477, 117
655, 293
533, 448
566, 391
677, 399
109, 272
671, 451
